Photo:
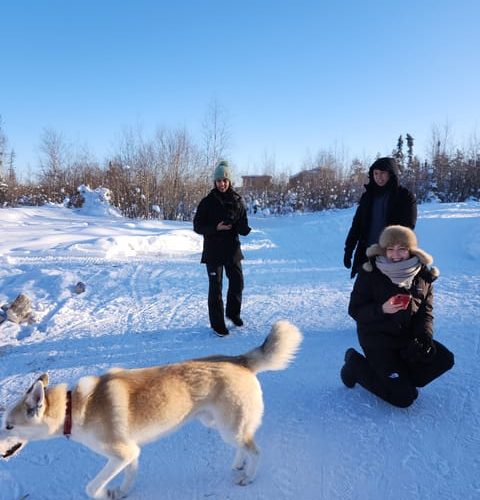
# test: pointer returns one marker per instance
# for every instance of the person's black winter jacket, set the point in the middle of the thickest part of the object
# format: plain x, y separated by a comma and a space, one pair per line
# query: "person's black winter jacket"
401, 209
377, 329
220, 247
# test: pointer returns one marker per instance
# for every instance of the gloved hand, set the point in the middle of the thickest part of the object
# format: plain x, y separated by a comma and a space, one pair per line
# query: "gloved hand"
347, 260
420, 349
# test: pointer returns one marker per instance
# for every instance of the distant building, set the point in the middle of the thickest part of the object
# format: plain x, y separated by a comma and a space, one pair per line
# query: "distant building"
255, 182
312, 177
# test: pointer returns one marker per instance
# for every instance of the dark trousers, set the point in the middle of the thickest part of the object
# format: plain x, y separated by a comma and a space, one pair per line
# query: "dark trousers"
385, 373
234, 294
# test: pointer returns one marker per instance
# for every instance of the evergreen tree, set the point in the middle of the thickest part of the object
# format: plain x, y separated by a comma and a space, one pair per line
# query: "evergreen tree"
409, 150
3, 147
398, 153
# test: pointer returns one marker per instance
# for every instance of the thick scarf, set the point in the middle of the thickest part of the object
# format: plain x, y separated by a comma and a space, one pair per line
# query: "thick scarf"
229, 200
401, 273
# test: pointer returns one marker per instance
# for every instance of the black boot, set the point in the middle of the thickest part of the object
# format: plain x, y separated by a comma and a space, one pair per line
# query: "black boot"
221, 330
347, 373
236, 320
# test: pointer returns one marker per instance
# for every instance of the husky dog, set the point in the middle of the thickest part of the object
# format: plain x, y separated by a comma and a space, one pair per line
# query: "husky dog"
116, 413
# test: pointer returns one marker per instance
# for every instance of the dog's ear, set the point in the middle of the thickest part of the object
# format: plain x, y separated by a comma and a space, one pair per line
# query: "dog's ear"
44, 378
35, 397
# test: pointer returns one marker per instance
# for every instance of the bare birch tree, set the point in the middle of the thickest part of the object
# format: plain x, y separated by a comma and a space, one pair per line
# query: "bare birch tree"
216, 135
54, 161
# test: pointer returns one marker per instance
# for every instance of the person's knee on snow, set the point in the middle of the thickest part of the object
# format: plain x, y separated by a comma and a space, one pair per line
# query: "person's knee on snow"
399, 391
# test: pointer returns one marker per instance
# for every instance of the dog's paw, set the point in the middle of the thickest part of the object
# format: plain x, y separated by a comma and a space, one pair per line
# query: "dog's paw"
240, 461
116, 493
239, 465
97, 493
242, 479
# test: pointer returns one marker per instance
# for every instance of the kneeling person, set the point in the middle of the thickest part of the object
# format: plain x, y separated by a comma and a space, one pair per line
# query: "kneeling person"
392, 304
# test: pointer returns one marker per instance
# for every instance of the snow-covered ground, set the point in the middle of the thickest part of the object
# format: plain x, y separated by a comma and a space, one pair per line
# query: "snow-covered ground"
146, 303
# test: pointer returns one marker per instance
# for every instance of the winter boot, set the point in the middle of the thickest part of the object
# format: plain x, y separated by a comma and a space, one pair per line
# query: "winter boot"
236, 320
220, 330
347, 373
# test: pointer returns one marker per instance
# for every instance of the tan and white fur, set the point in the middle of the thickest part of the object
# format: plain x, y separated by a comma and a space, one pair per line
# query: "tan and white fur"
114, 414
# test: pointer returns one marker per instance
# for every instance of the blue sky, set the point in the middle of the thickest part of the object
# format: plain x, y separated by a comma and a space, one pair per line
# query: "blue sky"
295, 77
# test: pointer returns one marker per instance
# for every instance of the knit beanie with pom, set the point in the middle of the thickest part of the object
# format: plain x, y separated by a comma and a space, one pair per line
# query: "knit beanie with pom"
223, 171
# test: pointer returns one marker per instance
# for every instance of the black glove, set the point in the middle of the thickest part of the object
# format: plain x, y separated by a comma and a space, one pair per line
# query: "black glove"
420, 349
347, 260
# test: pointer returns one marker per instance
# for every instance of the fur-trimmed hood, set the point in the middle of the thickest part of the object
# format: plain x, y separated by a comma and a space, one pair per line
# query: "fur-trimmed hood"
387, 165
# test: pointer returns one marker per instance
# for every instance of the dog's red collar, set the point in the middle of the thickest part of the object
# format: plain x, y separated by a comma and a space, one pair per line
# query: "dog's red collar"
67, 424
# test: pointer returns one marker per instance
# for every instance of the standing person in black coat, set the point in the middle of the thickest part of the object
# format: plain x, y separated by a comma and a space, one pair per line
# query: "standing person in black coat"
392, 304
382, 204
220, 218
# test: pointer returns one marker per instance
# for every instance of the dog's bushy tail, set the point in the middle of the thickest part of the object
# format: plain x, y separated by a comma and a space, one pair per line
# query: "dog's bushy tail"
278, 350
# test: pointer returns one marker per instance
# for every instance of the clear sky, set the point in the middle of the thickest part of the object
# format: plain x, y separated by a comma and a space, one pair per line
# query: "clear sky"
295, 77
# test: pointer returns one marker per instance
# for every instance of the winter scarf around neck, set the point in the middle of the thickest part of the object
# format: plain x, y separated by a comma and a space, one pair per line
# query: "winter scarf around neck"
401, 273
228, 195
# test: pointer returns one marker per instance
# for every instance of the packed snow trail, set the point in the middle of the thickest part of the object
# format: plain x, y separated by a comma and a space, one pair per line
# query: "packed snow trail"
146, 303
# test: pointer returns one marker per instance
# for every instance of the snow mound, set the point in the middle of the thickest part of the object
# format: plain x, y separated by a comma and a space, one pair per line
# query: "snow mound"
97, 202
172, 243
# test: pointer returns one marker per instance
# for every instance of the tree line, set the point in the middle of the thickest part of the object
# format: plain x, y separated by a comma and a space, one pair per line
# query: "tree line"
165, 176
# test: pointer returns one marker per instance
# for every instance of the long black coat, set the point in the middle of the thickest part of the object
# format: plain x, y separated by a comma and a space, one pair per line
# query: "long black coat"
401, 209
221, 247
377, 329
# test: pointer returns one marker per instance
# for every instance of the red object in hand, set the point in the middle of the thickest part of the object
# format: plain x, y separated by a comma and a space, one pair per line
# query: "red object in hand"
401, 299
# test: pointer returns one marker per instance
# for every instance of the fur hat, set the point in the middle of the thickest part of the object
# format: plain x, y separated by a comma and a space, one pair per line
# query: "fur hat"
223, 171
398, 235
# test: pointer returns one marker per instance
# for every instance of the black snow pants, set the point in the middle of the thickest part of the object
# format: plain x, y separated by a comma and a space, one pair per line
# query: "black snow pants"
234, 274
385, 373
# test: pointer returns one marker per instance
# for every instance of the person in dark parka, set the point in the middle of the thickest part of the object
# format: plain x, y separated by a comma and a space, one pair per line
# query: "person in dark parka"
396, 334
220, 218
383, 203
